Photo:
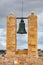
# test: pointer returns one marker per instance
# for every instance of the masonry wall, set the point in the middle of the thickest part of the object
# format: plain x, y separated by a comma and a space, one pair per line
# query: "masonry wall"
11, 33
32, 35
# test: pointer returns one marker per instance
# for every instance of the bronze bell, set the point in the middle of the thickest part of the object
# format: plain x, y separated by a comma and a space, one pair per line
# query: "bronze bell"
22, 29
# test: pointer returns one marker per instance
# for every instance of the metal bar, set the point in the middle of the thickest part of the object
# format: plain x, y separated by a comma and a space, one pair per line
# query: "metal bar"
22, 8
22, 18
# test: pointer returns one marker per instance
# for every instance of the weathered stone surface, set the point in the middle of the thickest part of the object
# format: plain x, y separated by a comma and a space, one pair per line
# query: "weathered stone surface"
32, 35
11, 33
20, 60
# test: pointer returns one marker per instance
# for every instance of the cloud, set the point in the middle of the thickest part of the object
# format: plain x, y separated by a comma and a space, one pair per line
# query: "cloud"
22, 42
40, 22
2, 39
3, 22
16, 6
40, 46
40, 38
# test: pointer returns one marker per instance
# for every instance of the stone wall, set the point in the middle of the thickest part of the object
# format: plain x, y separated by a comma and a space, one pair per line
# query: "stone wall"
32, 35
11, 33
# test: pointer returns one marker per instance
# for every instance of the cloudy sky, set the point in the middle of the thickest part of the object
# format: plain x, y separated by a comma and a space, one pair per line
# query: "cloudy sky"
15, 6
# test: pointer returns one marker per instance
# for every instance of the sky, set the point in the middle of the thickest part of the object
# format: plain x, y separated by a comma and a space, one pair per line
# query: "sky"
15, 6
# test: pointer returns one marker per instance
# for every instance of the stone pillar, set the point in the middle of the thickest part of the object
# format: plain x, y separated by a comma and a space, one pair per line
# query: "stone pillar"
11, 33
32, 35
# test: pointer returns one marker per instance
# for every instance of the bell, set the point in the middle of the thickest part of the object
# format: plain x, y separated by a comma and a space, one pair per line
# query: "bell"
21, 29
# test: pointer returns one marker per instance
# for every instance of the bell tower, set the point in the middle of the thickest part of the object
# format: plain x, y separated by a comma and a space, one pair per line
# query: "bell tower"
11, 33
32, 35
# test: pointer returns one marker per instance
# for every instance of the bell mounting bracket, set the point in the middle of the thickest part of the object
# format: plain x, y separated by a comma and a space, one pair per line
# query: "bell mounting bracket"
22, 18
